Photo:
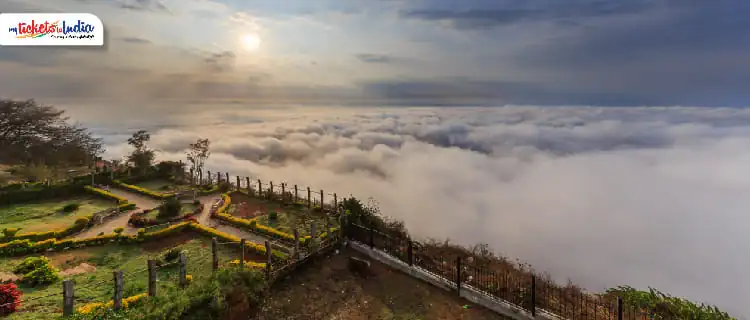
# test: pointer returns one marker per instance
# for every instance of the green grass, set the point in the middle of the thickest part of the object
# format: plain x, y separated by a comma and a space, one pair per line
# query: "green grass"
160, 185
47, 215
187, 208
285, 222
128, 258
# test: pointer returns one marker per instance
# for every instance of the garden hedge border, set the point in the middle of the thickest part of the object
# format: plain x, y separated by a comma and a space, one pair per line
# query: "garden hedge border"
144, 191
257, 227
25, 246
138, 220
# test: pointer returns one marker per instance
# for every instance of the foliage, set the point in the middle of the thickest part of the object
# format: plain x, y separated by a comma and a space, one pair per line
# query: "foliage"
10, 232
172, 254
225, 186
143, 191
166, 169
369, 216
10, 298
82, 221
170, 208
8, 197
142, 156
197, 155
664, 306
70, 207
273, 215
96, 308
106, 194
35, 133
37, 271
196, 202
118, 230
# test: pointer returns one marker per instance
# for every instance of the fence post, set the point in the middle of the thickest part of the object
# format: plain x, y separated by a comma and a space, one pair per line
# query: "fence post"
215, 254
183, 270
283, 192
208, 176
247, 182
68, 297
309, 199
269, 255
260, 189
322, 203
227, 174
296, 243
117, 299
151, 278
218, 177
372, 238
533, 295
270, 189
295, 194
458, 275
410, 253
238, 183
242, 252
335, 203
200, 177
619, 308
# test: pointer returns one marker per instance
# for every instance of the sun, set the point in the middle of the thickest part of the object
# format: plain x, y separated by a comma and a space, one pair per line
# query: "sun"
251, 42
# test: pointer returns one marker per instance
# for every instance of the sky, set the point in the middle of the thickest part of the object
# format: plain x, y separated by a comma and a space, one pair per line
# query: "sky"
605, 142
393, 52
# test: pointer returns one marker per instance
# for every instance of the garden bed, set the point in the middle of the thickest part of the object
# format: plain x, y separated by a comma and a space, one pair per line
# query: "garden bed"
101, 261
244, 206
162, 186
151, 217
48, 215
285, 222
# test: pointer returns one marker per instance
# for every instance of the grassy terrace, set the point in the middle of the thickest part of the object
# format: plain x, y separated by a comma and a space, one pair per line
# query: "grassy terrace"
160, 185
48, 215
105, 260
285, 222
187, 208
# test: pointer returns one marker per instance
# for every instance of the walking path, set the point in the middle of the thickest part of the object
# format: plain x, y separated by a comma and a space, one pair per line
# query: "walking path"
141, 203
204, 218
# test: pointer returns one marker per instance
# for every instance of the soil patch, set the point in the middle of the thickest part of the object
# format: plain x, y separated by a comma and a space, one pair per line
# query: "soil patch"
244, 206
8, 277
169, 242
327, 290
71, 258
81, 268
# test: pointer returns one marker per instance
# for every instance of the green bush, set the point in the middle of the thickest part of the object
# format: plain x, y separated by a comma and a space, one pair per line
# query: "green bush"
118, 230
664, 306
82, 221
70, 207
253, 224
170, 208
10, 232
141, 232
273, 216
37, 271
172, 254
225, 187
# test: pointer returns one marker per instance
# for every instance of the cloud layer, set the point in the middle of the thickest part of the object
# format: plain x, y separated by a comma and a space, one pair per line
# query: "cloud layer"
606, 196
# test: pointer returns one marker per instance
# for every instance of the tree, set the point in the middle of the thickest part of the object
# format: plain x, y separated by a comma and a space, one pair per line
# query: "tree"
142, 156
31, 133
197, 155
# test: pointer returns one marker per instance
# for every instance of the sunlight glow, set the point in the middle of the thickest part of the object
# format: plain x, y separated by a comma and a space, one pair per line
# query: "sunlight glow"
251, 42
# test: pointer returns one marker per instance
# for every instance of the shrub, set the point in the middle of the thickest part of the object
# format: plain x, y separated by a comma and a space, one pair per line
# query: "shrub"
273, 216
141, 232
10, 298
170, 208
37, 271
225, 186
119, 230
146, 192
253, 224
196, 202
10, 232
106, 194
100, 234
70, 207
82, 221
172, 254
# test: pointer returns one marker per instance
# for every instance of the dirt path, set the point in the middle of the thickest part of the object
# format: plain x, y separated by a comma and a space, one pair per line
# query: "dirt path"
141, 202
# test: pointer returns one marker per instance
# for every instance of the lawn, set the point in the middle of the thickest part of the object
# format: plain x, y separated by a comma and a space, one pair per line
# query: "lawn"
161, 185
47, 215
131, 259
187, 208
285, 222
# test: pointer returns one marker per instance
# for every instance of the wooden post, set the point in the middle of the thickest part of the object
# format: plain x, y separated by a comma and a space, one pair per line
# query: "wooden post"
209, 177
335, 203
270, 189
458, 275
249, 189
227, 174
260, 189
619, 308
296, 197
183, 270
268, 259
242, 252
238, 183
218, 177
151, 278
322, 203
410, 253
283, 192
215, 252
68, 298
309, 199
117, 299
533, 295
200, 177
296, 243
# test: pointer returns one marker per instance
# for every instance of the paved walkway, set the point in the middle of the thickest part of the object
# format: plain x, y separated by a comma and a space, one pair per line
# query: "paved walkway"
204, 218
141, 203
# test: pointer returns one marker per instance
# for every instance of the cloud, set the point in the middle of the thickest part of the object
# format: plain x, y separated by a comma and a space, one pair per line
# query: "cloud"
606, 196
142, 5
135, 40
374, 58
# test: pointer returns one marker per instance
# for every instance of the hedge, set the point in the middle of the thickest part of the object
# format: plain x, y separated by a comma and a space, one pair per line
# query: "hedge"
139, 220
26, 246
26, 195
39, 236
106, 194
144, 191
257, 227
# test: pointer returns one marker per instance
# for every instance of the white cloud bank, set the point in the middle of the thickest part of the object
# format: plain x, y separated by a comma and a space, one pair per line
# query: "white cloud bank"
645, 197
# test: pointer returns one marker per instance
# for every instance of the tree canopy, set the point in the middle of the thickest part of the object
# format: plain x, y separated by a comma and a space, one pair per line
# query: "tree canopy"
32, 133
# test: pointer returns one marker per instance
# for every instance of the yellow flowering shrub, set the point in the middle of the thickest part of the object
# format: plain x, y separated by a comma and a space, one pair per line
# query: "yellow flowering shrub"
189, 277
249, 264
95, 306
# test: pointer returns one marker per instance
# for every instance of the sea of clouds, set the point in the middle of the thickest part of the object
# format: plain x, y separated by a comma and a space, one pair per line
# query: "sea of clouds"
654, 197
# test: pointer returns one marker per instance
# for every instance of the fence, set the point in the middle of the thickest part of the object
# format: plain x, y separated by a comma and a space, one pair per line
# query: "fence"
523, 289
